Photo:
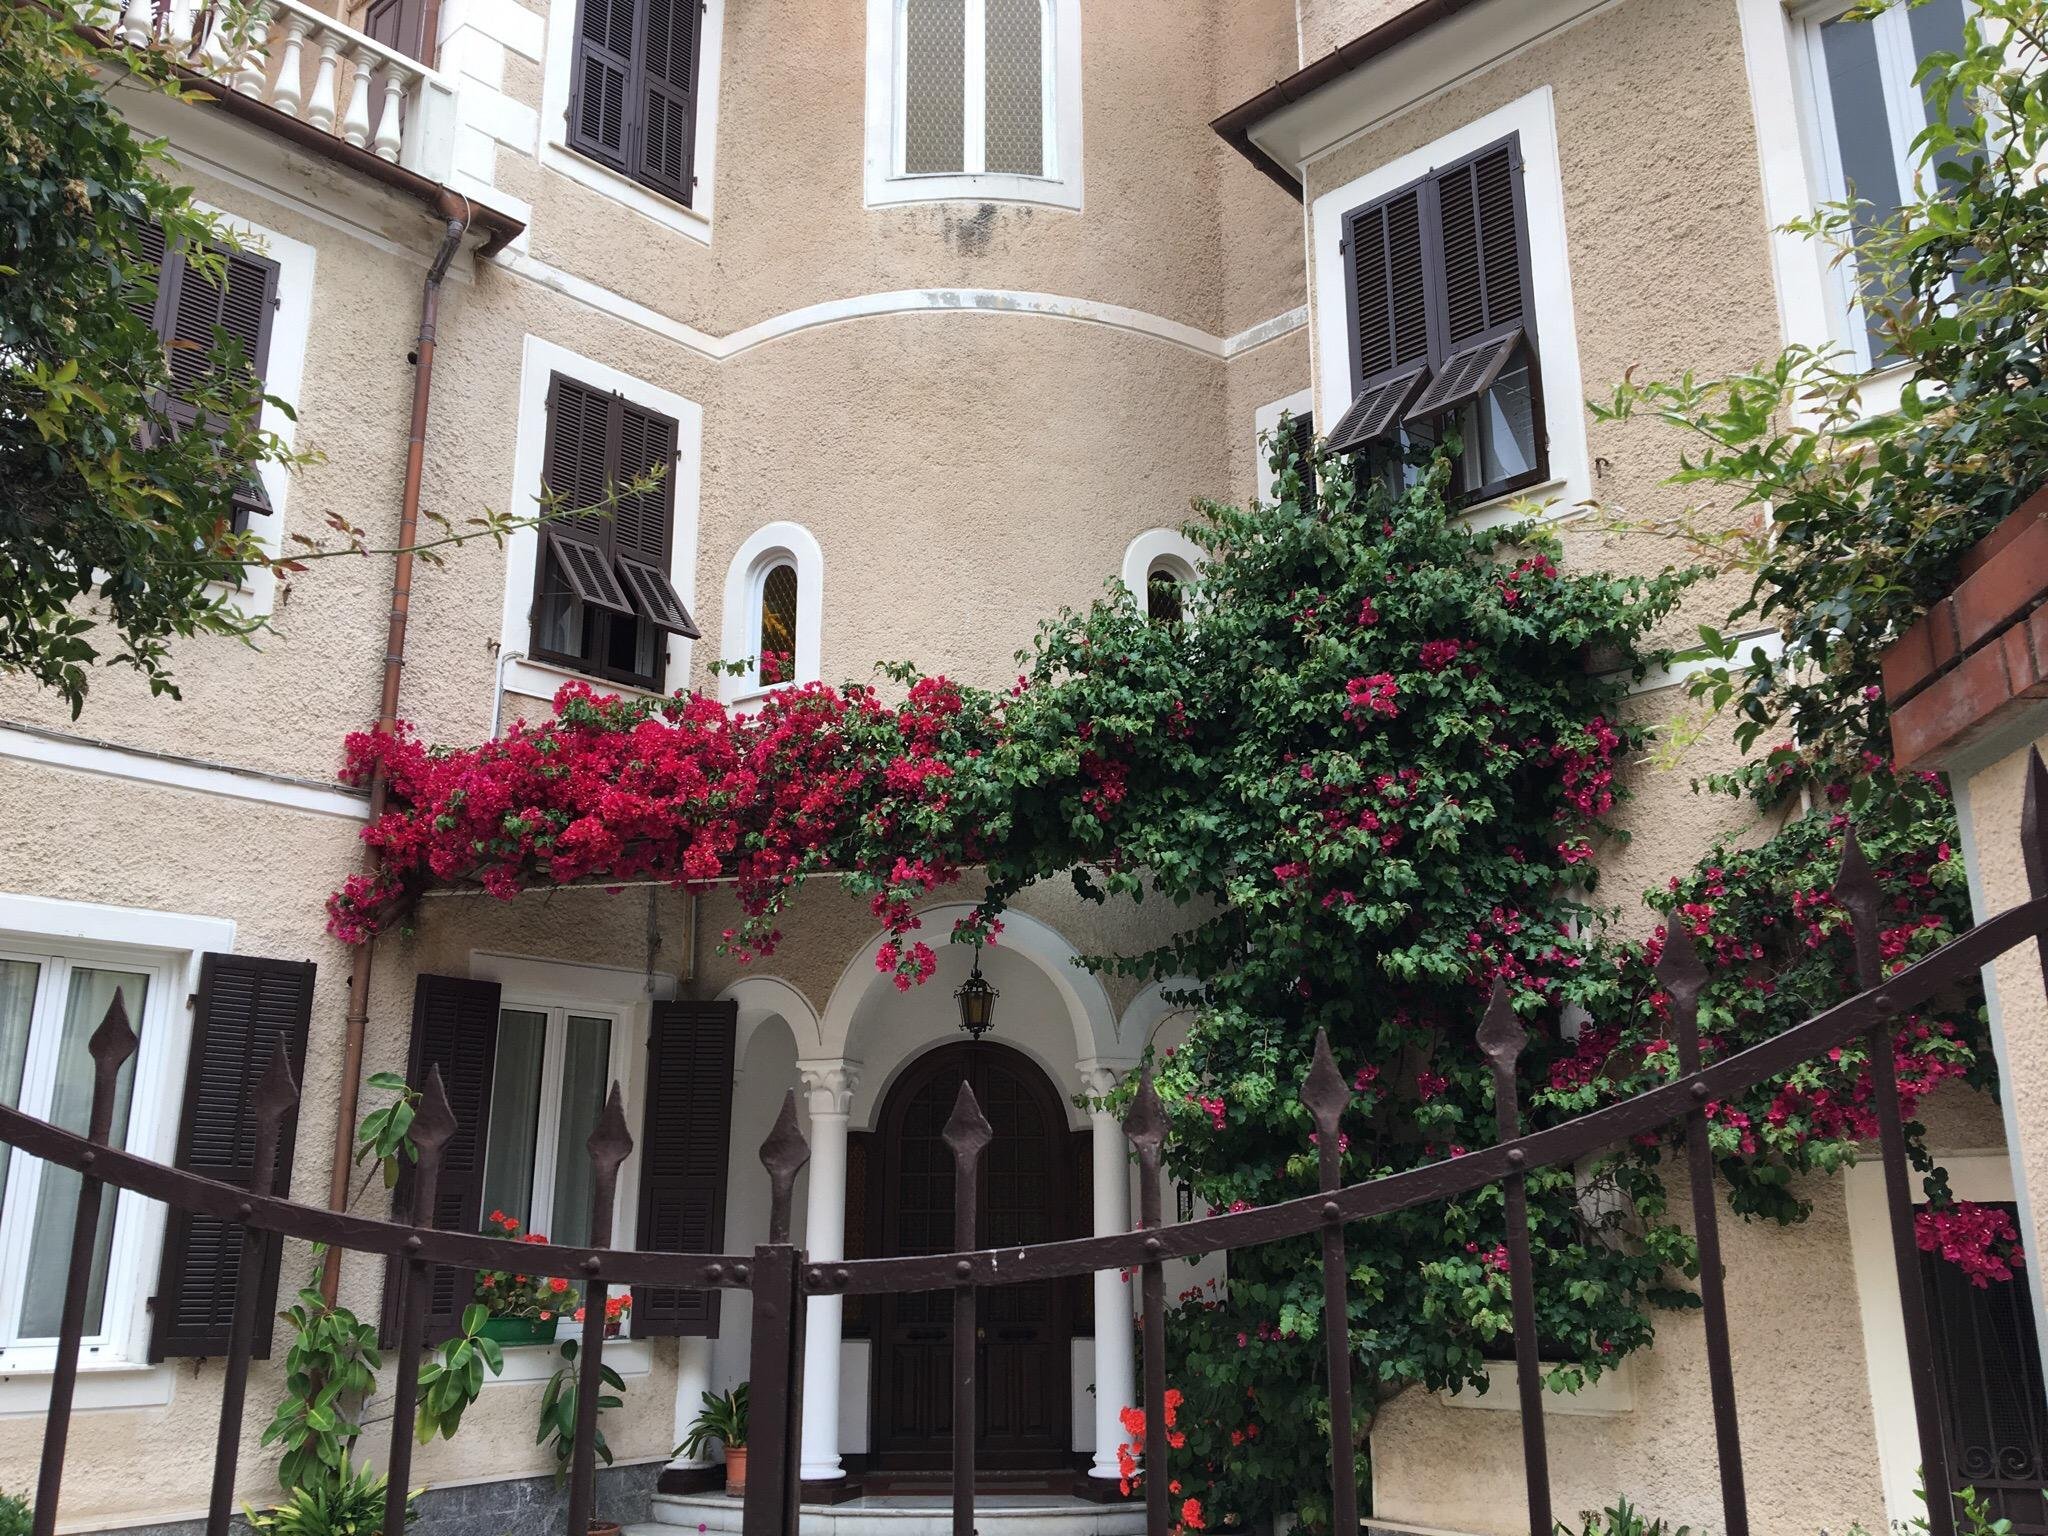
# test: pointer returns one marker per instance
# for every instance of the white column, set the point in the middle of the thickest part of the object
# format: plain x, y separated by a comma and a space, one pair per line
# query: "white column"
693, 1380
1116, 1385
828, 1086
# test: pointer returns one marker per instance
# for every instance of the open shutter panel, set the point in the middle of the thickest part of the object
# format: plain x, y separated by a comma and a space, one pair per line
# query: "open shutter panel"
1485, 269
241, 305
667, 99
455, 1028
603, 80
247, 1008
644, 521
684, 1149
575, 469
1389, 280
148, 251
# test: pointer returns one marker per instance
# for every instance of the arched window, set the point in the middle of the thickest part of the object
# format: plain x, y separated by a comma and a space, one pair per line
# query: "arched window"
1165, 595
974, 87
1159, 568
773, 603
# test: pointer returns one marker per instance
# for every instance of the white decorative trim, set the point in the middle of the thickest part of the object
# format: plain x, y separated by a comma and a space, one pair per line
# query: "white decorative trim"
1266, 421
887, 184
1973, 1176
112, 1384
762, 998
902, 301
169, 946
692, 219
1613, 1394
51, 749
1150, 1008
1769, 641
740, 616
540, 360
1156, 548
1533, 118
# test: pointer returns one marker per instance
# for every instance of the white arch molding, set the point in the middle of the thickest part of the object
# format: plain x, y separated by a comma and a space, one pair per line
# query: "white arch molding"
1150, 1009
1087, 1004
781, 543
1159, 549
762, 998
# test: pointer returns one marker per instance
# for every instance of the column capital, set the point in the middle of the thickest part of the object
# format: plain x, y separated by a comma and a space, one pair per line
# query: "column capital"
829, 1085
1099, 1077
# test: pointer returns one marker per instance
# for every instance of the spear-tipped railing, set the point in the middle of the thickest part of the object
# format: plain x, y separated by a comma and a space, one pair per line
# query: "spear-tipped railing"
780, 1279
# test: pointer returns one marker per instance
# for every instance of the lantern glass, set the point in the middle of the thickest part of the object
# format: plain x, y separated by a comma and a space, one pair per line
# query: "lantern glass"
977, 1000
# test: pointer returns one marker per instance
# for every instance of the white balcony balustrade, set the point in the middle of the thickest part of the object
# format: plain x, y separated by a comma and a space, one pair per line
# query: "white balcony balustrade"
305, 64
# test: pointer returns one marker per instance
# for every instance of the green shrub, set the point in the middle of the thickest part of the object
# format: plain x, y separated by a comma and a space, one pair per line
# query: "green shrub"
14, 1514
351, 1504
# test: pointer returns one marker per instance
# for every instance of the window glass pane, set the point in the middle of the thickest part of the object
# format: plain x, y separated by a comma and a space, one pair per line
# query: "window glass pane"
586, 1079
778, 625
515, 1114
559, 619
1502, 439
1163, 603
1862, 135
92, 992
934, 85
1937, 28
1015, 90
17, 1006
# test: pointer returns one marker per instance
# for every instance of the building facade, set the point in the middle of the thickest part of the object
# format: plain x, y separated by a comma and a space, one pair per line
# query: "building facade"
936, 314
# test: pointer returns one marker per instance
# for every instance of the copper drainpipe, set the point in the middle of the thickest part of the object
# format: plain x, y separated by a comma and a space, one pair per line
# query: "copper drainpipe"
455, 209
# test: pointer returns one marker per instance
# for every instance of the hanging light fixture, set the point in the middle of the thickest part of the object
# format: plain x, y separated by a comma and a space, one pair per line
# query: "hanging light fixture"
977, 1000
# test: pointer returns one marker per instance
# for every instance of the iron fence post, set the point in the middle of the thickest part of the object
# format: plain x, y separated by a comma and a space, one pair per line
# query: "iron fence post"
967, 1134
1327, 1097
1145, 1129
276, 1095
432, 1128
609, 1145
775, 1369
1856, 889
111, 1045
1501, 1038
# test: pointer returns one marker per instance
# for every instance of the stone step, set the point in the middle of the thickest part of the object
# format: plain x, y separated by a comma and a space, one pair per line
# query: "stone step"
907, 1514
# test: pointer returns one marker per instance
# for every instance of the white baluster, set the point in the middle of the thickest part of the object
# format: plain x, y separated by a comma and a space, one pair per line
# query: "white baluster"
389, 133
355, 123
320, 105
291, 75
138, 23
215, 56
252, 60
179, 20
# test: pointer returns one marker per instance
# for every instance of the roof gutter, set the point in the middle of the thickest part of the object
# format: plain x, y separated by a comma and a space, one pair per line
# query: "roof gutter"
457, 211
1237, 124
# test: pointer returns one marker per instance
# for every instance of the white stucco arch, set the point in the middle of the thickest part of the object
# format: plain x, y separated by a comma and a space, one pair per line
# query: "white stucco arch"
762, 998
1087, 1004
1151, 1008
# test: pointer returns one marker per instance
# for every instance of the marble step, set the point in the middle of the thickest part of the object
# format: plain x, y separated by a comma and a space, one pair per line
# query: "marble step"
907, 1514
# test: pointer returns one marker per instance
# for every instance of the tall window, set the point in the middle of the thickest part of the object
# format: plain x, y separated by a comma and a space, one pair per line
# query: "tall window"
1443, 326
975, 92
50, 1004
603, 601
775, 659
554, 1068
192, 312
633, 93
1865, 115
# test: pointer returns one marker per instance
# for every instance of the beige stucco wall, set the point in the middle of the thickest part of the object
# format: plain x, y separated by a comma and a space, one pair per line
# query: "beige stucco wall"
1325, 24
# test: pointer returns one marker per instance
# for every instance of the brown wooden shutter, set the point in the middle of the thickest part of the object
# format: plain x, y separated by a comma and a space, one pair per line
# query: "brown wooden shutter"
577, 468
1303, 431
1484, 311
455, 1028
863, 1225
149, 252
246, 1007
600, 97
399, 24
666, 97
242, 306
1388, 285
644, 523
684, 1149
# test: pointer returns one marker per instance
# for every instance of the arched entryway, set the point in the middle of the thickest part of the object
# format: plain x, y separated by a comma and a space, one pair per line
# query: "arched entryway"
1024, 1412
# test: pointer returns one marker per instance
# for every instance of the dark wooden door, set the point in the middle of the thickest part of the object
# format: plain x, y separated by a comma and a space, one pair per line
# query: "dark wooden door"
1021, 1357
1994, 1408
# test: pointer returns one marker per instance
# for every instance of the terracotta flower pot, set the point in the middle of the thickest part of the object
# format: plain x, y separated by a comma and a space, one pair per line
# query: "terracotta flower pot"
735, 1469
602, 1528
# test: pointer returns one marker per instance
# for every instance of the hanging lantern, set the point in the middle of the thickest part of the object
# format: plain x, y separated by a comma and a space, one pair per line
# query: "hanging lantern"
977, 1000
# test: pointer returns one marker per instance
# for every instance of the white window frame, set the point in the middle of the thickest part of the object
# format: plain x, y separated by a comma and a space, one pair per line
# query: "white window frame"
1159, 549
782, 543
887, 182
1801, 169
541, 361
1266, 422
626, 997
692, 219
167, 947
1533, 117
556, 1013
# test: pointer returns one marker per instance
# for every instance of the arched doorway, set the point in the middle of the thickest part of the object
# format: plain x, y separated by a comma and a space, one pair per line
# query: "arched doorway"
1023, 1414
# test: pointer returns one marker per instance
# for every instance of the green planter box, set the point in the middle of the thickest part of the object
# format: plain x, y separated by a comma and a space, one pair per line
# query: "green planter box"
521, 1330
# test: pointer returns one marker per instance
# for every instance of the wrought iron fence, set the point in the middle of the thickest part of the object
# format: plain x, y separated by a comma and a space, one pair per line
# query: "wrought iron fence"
780, 1279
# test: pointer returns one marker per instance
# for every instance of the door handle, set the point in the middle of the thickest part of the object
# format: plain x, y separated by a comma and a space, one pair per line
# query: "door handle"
981, 1333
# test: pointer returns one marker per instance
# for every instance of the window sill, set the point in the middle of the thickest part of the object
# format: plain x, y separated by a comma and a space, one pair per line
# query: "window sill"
102, 1384
1036, 191
1613, 1394
665, 211
540, 679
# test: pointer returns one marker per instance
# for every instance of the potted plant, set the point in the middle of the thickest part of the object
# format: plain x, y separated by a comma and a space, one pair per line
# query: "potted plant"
722, 1418
524, 1309
615, 1310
